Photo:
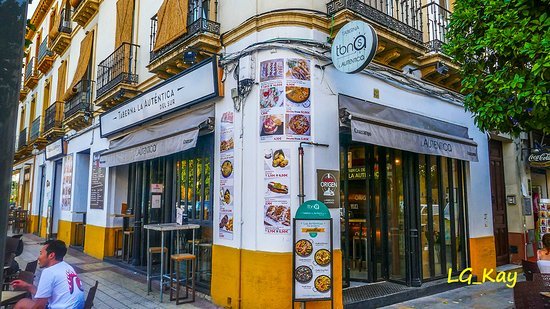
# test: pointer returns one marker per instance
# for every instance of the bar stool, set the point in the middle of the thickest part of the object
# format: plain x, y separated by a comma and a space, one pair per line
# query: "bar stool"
154, 250
175, 260
118, 240
127, 240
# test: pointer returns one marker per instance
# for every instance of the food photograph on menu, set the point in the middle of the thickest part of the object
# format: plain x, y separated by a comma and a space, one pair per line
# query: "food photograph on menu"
297, 96
272, 125
298, 124
271, 95
271, 69
277, 214
298, 69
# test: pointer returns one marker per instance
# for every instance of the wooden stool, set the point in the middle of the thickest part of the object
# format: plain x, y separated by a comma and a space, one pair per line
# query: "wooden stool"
154, 250
118, 244
189, 275
127, 240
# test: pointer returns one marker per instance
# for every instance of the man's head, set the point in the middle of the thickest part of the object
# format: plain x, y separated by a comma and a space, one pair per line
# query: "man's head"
51, 253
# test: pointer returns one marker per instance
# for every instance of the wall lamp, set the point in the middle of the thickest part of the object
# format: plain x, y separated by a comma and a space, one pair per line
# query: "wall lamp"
440, 68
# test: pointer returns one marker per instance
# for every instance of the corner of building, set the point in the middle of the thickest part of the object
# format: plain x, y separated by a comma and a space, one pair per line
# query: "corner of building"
482, 255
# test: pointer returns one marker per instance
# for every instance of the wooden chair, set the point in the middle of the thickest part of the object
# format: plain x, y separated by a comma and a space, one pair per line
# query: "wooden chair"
529, 268
527, 295
90, 298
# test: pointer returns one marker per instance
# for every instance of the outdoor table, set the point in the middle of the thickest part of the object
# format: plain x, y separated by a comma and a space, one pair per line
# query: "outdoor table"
9, 297
163, 228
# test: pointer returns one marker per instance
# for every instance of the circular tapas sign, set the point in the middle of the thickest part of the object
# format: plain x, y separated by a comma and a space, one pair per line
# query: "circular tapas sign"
354, 47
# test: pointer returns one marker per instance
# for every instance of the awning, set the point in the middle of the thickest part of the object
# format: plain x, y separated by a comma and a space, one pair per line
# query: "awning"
390, 127
176, 135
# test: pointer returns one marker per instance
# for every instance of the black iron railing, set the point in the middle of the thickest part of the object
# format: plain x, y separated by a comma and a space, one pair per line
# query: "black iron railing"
437, 22
22, 142
65, 23
53, 116
81, 101
35, 129
30, 68
199, 25
119, 67
44, 50
402, 16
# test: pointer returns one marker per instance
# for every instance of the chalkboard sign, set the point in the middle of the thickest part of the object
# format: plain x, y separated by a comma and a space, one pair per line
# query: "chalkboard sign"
97, 188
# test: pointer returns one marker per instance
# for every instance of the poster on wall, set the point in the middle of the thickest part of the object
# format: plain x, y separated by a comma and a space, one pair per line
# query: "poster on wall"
227, 188
285, 100
67, 183
97, 187
277, 194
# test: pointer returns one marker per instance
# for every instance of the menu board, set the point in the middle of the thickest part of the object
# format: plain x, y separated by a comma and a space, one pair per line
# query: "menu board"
312, 259
285, 100
227, 188
277, 191
97, 188
67, 183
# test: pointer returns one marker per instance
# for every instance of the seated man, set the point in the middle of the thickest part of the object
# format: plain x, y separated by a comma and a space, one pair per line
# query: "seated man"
59, 286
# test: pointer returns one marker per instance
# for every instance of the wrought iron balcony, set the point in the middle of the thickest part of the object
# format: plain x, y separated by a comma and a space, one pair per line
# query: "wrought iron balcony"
24, 91
31, 77
35, 129
61, 40
45, 57
200, 25
22, 142
81, 101
401, 16
118, 68
53, 120
436, 22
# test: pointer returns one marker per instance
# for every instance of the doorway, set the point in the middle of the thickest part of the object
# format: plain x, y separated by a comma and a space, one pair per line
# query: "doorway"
54, 206
393, 227
498, 202
41, 198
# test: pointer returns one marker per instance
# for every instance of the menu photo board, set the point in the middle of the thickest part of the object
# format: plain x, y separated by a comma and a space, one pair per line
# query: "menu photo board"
312, 253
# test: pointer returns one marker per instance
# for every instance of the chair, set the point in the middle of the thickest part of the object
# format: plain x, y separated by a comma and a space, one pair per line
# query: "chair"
31, 266
127, 244
527, 295
154, 250
189, 276
529, 268
90, 298
118, 240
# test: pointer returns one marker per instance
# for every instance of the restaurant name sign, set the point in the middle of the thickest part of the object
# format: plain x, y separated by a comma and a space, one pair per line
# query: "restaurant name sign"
183, 90
540, 159
354, 47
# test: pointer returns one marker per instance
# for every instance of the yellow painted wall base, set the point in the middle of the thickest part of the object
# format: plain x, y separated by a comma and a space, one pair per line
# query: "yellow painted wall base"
100, 241
33, 224
266, 279
43, 227
482, 255
66, 232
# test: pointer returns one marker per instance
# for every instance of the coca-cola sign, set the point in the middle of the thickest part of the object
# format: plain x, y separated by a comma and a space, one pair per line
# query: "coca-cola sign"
540, 159
328, 187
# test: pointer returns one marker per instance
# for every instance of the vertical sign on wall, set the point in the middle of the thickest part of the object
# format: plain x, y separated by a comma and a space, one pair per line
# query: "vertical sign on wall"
277, 191
313, 253
285, 100
227, 188
328, 188
67, 183
97, 188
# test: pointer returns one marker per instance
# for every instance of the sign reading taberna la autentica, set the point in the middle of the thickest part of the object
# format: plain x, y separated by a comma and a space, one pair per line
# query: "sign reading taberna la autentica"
312, 253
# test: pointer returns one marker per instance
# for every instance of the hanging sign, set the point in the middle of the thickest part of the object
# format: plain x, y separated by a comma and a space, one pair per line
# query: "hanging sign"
313, 253
354, 47
540, 159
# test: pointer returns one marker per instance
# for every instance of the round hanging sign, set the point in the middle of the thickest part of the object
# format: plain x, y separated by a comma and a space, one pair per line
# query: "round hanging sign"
354, 47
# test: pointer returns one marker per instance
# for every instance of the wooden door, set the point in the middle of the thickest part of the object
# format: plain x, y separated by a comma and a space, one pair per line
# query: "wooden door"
498, 201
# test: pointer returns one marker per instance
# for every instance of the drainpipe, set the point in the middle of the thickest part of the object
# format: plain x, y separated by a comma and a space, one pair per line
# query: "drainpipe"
13, 14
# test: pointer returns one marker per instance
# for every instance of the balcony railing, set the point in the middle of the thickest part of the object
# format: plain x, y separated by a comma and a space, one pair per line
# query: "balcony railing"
437, 22
65, 23
81, 101
35, 129
30, 68
22, 142
402, 16
199, 25
53, 116
44, 50
119, 67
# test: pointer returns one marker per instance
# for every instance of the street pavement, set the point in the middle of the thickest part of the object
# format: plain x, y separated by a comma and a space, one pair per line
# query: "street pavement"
485, 296
118, 287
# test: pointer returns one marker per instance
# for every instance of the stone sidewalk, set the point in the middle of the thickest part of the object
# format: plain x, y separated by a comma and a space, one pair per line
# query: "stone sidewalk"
118, 287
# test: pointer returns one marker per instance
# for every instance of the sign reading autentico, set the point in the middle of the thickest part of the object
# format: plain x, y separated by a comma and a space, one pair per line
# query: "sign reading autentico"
354, 47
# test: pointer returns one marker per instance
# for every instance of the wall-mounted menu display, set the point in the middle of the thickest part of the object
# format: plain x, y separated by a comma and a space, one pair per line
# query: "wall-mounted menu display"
313, 254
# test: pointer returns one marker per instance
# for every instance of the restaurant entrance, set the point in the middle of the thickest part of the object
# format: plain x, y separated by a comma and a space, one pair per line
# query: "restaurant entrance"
393, 228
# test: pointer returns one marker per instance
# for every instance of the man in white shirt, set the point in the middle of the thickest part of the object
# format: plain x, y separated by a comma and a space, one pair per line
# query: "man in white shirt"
59, 286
